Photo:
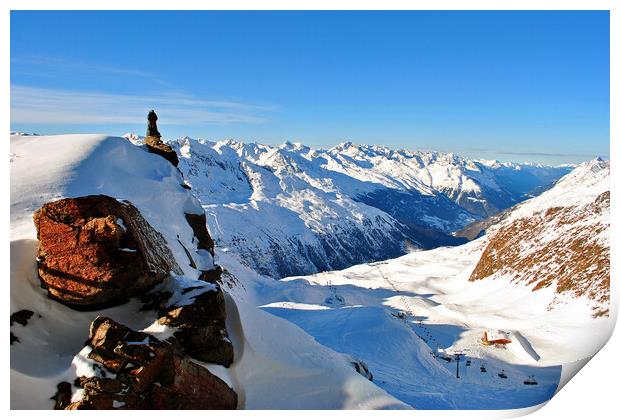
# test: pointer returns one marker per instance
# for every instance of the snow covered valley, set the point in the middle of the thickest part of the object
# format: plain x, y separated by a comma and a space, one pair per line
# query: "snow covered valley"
356, 311
408, 318
300, 341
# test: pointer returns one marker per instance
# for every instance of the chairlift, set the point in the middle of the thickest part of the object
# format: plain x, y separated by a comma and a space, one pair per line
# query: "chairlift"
530, 380
483, 369
502, 374
468, 363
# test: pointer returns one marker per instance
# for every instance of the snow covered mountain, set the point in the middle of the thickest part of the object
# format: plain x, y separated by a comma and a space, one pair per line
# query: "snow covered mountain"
558, 240
404, 319
276, 364
542, 282
290, 209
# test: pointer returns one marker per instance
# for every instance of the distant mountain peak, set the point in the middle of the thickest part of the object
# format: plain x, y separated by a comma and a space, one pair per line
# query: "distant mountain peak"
291, 209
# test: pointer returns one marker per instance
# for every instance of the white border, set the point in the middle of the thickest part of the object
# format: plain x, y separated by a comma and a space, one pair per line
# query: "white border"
592, 394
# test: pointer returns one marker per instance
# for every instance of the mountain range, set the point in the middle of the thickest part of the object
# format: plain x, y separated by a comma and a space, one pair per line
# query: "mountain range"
290, 209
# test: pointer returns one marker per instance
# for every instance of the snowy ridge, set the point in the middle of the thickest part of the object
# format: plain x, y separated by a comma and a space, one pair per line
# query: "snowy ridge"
277, 365
580, 186
291, 209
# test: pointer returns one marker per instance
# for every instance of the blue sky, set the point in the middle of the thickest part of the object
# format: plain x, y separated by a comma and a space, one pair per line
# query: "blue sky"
519, 86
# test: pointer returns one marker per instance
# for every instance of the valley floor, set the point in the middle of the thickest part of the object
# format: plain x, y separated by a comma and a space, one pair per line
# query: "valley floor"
356, 312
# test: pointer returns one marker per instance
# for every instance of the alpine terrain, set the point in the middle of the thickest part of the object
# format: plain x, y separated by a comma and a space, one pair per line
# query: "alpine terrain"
291, 209
220, 275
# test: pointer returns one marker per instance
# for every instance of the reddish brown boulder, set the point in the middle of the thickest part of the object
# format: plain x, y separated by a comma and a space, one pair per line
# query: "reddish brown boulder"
96, 251
149, 374
155, 145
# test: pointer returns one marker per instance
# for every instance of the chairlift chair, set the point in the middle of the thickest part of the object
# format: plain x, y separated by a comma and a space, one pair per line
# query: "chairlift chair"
502, 374
530, 380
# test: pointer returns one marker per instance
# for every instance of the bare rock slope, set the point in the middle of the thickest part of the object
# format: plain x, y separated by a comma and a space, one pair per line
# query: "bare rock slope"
560, 239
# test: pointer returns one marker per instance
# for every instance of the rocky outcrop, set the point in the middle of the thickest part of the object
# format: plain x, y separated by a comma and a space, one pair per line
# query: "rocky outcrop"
566, 247
198, 315
198, 223
20, 317
361, 368
155, 145
96, 251
135, 370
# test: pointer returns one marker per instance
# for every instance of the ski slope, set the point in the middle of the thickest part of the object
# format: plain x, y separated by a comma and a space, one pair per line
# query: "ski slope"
355, 311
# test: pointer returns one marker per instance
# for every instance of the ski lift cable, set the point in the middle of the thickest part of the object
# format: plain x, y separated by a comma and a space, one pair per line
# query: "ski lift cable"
408, 310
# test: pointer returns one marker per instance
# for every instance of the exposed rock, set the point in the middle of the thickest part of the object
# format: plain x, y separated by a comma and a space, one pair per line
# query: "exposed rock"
192, 263
362, 369
21, 317
212, 276
95, 251
207, 306
200, 322
62, 397
145, 373
562, 246
198, 223
155, 145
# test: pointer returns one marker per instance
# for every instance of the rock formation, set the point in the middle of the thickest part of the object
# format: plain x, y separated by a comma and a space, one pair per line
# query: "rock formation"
198, 223
200, 324
155, 145
563, 247
135, 370
97, 251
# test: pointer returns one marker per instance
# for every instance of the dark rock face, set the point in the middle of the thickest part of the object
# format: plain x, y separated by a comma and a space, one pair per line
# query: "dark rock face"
96, 251
212, 276
198, 223
62, 398
137, 371
155, 145
21, 317
362, 369
201, 325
